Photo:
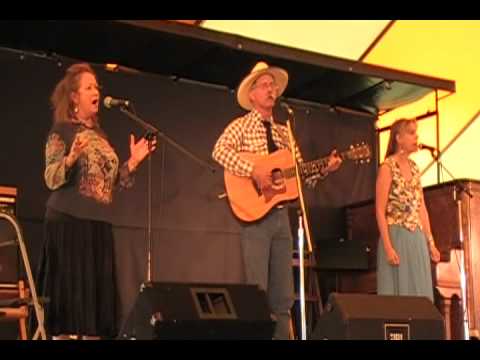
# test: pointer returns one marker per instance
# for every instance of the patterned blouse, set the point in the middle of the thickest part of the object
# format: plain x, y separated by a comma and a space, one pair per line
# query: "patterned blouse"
248, 134
404, 198
88, 186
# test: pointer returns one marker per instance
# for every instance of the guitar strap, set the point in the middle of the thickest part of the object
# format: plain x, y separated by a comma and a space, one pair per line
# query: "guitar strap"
282, 135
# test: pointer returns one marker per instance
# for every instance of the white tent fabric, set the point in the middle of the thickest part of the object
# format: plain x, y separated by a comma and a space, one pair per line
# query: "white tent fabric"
347, 39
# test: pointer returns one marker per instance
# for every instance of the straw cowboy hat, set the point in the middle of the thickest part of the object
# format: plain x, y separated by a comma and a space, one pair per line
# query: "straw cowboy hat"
261, 68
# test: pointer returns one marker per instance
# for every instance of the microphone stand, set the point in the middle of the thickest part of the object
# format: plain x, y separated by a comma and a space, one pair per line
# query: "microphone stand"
152, 132
302, 219
463, 272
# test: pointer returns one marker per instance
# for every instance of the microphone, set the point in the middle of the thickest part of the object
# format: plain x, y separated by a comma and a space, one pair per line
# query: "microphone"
110, 102
432, 150
286, 107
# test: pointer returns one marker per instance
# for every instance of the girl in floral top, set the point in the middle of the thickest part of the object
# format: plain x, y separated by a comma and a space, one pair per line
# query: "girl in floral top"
406, 245
76, 270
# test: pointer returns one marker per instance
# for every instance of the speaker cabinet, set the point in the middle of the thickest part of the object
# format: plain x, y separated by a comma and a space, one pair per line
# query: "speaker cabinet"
199, 311
376, 317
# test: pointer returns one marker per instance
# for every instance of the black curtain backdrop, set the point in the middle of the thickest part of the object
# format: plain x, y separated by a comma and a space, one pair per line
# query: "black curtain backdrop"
195, 235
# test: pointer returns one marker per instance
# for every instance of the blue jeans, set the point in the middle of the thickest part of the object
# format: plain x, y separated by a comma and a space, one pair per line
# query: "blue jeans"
267, 247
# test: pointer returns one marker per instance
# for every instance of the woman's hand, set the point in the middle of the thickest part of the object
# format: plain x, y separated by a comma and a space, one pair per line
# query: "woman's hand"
434, 253
79, 143
392, 256
139, 151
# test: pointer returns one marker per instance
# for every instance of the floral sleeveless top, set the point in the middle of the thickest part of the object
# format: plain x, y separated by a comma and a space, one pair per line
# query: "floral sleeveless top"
404, 198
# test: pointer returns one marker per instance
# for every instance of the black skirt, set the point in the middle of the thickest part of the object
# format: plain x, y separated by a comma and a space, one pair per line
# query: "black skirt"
76, 272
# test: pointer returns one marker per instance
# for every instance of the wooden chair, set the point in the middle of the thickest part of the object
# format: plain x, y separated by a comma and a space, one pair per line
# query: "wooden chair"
20, 314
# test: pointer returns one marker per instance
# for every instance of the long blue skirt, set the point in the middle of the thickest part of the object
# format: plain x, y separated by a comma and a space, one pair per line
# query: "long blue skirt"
413, 277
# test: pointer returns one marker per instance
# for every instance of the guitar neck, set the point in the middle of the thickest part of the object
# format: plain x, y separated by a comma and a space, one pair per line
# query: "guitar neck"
314, 167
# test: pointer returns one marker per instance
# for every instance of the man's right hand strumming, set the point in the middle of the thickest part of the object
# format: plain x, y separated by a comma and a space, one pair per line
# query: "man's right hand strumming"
262, 177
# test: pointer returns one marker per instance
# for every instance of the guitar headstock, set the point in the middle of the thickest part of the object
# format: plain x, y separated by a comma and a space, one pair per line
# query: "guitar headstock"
360, 153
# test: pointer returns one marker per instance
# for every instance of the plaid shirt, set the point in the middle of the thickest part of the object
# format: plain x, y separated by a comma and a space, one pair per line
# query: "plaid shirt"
248, 134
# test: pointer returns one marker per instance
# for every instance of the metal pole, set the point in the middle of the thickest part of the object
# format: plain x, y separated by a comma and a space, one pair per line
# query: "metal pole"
301, 241
437, 125
463, 277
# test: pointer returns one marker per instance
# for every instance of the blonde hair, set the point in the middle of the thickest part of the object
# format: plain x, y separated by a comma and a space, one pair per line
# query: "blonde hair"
62, 104
395, 129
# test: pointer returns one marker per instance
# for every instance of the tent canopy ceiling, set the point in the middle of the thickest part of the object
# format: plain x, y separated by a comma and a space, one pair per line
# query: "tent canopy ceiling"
186, 52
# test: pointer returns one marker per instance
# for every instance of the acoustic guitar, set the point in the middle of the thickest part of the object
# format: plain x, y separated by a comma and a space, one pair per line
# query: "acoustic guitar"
249, 203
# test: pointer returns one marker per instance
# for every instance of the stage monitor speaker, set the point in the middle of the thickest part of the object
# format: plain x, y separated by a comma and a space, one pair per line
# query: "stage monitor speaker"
199, 311
377, 317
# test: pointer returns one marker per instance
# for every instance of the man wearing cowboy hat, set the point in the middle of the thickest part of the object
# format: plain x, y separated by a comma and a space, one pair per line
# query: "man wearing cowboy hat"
266, 243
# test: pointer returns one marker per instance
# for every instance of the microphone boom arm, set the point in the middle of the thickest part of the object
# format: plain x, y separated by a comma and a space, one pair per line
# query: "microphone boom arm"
153, 130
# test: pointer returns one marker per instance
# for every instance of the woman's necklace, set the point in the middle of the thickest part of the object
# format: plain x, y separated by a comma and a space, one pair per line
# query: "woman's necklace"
83, 123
